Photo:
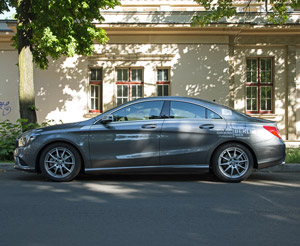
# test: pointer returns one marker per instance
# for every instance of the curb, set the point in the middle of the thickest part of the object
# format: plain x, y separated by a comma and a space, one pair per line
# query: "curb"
290, 167
7, 164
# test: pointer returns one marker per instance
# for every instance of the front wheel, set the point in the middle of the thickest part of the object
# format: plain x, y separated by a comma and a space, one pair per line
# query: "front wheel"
232, 162
60, 162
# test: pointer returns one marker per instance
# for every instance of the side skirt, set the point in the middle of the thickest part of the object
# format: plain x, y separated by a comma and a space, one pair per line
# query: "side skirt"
160, 168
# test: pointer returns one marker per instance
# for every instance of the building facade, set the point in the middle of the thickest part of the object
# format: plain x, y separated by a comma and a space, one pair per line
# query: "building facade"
241, 62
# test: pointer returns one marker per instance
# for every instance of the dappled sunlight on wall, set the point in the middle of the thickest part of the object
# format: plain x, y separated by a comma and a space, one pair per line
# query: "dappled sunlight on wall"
9, 100
297, 94
62, 90
146, 56
201, 71
71, 108
278, 54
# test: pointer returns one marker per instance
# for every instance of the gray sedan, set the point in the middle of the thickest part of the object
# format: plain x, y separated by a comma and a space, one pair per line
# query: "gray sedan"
159, 134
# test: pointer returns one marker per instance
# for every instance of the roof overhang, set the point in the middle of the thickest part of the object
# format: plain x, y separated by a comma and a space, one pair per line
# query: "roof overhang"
178, 23
7, 30
186, 29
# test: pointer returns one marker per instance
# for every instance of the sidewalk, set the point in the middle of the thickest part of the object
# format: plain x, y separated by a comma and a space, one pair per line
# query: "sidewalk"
290, 167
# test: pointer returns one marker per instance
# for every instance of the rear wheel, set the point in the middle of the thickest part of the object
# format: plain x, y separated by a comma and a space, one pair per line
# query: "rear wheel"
232, 162
60, 162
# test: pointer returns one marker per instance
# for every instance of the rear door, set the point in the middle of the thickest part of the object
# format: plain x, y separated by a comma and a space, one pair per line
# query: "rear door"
189, 133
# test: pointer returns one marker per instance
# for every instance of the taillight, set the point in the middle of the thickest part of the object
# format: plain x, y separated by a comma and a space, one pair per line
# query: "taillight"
273, 130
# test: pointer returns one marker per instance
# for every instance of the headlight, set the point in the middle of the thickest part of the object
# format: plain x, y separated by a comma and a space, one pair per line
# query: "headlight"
27, 138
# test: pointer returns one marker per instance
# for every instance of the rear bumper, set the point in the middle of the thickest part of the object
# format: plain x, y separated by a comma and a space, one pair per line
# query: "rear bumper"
277, 154
270, 163
278, 157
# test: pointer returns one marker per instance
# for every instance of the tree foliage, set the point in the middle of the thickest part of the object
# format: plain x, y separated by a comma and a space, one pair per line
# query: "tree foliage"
3, 6
52, 28
217, 9
58, 27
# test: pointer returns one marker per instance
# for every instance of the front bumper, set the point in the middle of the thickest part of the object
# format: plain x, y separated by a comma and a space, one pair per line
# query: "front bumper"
21, 163
19, 166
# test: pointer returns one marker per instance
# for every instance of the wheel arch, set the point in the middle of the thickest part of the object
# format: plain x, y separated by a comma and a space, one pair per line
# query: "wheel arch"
37, 164
255, 166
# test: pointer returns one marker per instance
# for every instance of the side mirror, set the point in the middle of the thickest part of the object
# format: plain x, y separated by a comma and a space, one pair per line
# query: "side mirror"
107, 119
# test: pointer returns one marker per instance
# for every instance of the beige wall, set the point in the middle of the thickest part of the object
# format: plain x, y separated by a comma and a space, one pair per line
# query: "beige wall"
9, 102
201, 70
62, 91
279, 56
199, 67
285, 51
297, 91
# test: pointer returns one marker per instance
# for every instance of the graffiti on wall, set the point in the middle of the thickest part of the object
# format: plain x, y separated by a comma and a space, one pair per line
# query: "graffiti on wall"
5, 108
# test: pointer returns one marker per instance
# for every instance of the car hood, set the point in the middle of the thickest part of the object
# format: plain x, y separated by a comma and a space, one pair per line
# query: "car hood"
58, 127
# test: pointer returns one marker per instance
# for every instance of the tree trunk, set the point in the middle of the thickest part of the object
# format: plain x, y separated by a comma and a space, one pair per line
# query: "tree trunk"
26, 86
26, 83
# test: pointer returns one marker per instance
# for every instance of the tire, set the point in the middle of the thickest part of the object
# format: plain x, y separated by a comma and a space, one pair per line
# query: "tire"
60, 162
232, 162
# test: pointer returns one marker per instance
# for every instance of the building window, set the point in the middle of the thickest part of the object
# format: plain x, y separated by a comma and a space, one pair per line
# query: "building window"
259, 85
163, 82
129, 84
95, 90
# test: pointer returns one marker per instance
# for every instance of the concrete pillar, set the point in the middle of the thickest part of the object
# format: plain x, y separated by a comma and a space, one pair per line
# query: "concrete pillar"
231, 71
291, 93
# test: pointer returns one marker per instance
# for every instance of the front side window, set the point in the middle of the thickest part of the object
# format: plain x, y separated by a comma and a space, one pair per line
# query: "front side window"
129, 84
139, 111
95, 90
182, 110
163, 81
259, 85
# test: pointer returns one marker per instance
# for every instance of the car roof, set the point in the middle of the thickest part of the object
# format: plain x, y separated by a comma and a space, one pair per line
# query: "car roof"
199, 101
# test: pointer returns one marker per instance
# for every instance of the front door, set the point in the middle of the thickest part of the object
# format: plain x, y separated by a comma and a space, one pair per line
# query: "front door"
131, 140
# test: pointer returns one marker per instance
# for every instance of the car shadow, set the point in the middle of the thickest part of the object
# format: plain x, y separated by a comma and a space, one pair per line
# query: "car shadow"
32, 177
137, 177
148, 177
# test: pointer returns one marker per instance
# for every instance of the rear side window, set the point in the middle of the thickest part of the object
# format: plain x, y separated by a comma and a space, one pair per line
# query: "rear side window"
211, 115
182, 110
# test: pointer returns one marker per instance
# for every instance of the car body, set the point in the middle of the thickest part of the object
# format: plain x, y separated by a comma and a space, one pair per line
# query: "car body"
158, 134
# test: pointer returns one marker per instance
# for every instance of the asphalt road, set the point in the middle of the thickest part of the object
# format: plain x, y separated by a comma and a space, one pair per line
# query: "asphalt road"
183, 210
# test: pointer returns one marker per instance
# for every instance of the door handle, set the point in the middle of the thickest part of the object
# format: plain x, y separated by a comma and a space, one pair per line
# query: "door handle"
207, 126
149, 126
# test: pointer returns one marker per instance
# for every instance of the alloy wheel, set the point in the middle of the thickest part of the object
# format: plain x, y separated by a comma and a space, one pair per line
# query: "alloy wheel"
233, 162
59, 162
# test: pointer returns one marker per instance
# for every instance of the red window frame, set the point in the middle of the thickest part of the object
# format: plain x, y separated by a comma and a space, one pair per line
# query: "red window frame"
259, 85
96, 82
164, 82
129, 82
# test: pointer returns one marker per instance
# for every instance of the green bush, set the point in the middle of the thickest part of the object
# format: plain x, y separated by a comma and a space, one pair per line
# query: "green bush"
292, 155
9, 133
